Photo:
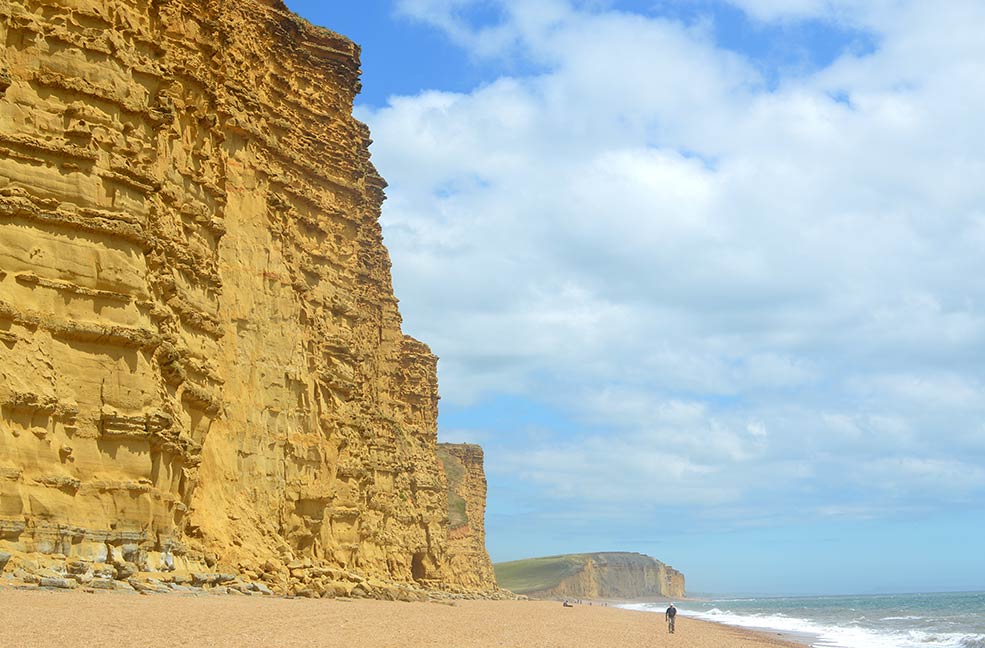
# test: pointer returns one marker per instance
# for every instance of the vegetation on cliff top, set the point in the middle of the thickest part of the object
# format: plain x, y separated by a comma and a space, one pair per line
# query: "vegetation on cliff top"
538, 574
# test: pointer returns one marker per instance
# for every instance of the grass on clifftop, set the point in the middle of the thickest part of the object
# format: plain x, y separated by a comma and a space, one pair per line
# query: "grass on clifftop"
537, 574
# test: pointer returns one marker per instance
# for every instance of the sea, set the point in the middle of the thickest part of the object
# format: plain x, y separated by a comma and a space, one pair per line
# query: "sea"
946, 620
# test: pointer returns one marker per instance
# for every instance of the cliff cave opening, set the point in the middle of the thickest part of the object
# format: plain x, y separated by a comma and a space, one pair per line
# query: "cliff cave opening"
417, 569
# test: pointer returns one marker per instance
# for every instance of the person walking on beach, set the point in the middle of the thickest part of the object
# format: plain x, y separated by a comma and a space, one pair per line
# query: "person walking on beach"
669, 615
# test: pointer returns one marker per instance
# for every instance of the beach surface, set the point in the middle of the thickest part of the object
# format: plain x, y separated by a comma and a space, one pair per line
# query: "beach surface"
40, 618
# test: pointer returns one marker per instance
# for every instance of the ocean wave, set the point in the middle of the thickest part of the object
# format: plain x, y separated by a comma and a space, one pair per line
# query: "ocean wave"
908, 617
835, 636
715, 611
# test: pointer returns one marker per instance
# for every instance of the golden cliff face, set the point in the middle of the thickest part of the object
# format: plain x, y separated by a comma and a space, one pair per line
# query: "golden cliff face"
467, 556
201, 362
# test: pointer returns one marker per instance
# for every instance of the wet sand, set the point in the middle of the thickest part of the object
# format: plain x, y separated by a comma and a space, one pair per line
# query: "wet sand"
30, 619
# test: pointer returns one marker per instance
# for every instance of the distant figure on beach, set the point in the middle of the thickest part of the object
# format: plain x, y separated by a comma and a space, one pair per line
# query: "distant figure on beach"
567, 604
669, 615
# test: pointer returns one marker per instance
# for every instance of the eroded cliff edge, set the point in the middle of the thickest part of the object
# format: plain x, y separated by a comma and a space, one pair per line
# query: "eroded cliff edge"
201, 361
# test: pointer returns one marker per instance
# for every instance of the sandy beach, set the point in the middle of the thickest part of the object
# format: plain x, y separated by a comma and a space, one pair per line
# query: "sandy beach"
30, 619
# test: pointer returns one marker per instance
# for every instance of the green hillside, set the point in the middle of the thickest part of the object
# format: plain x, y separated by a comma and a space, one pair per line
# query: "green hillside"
536, 574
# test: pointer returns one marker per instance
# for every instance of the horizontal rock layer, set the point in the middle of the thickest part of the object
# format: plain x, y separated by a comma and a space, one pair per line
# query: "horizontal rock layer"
201, 361
463, 466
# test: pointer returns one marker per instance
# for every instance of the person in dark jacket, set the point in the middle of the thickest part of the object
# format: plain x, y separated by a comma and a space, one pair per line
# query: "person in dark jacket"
670, 615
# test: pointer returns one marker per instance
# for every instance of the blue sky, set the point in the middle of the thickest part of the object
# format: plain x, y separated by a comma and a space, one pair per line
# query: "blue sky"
704, 277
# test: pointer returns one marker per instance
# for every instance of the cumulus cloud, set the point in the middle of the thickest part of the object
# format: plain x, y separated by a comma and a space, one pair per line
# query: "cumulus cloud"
736, 288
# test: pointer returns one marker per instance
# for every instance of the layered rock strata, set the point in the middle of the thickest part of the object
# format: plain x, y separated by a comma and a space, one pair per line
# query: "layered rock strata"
611, 575
463, 467
201, 361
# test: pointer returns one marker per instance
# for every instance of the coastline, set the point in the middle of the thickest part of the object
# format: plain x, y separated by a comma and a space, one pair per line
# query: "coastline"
36, 618
789, 636
636, 605
920, 620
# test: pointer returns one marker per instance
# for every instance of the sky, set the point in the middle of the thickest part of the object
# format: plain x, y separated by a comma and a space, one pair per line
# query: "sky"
705, 277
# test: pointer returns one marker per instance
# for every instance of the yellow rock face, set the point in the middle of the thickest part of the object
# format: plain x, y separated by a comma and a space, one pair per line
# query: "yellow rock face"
201, 362
467, 556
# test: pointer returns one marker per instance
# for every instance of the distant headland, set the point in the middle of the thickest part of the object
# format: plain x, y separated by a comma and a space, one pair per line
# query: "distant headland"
606, 575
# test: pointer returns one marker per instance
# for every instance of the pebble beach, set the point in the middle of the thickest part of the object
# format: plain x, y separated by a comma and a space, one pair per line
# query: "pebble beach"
41, 619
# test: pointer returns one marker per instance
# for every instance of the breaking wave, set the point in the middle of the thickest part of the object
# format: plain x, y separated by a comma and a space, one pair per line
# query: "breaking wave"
846, 629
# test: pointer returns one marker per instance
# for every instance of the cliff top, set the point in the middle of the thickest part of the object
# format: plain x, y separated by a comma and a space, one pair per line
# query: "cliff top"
313, 31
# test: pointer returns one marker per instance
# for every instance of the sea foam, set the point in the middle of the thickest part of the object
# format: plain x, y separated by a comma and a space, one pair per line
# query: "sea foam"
853, 622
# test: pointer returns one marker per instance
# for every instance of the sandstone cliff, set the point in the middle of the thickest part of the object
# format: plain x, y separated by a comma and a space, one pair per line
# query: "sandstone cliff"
592, 576
463, 466
201, 361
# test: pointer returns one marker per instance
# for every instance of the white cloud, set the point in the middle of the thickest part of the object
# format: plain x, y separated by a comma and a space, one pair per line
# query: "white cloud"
939, 478
583, 472
761, 290
756, 429
869, 13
